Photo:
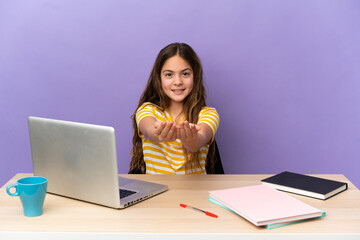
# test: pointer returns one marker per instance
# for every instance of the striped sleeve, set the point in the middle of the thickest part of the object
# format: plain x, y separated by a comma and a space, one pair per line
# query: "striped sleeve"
145, 110
210, 117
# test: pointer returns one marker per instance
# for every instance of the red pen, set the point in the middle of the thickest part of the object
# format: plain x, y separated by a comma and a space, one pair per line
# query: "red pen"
197, 209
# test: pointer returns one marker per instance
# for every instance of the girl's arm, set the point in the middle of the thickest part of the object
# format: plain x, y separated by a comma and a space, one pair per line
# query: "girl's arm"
194, 136
157, 131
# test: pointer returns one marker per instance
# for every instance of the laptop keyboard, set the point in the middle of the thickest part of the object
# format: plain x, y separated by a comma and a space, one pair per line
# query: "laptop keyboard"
125, 193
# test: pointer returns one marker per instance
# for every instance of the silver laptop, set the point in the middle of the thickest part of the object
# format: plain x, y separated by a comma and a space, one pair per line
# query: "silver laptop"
79, 161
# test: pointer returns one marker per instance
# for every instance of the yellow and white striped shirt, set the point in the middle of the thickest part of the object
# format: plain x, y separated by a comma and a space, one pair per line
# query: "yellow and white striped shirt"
169, 157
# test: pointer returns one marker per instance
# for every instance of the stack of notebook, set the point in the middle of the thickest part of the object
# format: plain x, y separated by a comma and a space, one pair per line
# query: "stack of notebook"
264, 206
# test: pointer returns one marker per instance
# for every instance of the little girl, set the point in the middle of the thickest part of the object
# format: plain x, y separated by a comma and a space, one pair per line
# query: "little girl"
173, 127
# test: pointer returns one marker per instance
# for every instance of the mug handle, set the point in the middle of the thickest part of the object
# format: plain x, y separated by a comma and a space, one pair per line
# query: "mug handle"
11, 186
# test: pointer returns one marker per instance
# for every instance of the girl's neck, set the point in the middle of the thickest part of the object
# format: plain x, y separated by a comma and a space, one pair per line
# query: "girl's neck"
176, 111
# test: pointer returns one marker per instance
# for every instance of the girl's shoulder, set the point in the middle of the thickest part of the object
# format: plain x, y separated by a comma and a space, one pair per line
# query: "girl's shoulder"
207, 109
150, 106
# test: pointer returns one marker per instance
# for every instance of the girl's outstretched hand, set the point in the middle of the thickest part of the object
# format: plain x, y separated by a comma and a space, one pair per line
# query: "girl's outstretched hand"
188, 133
165, 131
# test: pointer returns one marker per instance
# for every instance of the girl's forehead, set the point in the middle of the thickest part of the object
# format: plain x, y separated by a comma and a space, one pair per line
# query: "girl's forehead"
175, 63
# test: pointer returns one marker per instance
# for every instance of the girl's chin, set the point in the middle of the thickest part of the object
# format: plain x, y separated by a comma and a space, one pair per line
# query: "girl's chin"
177, 99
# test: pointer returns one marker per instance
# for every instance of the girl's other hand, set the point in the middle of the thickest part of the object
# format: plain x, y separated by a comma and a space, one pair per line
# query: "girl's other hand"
165, 131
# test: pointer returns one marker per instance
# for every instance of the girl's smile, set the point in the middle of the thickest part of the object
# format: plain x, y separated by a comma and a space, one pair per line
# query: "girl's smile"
178, 91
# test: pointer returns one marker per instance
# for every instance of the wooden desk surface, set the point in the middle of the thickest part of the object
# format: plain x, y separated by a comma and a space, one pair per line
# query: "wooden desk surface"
161, 216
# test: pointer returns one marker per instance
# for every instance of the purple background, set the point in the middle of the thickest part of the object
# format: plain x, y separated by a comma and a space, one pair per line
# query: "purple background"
284, 75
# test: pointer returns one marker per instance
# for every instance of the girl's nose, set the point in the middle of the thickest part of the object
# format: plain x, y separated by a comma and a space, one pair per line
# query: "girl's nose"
178, 80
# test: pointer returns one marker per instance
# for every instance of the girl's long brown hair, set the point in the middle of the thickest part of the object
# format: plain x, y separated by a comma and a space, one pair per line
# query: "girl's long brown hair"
154, 93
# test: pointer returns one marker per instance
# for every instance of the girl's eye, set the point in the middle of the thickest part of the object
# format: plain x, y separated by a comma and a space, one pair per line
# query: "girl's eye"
186, 74
168, 74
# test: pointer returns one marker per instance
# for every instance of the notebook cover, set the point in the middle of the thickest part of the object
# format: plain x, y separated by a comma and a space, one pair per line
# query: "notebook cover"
263, 205
270, 226
304, 182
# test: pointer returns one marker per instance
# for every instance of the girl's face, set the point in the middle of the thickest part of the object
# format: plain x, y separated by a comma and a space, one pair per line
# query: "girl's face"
177, 79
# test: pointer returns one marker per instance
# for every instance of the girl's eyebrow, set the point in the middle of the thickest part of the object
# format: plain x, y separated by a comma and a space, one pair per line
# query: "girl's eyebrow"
185, 69
166, 70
